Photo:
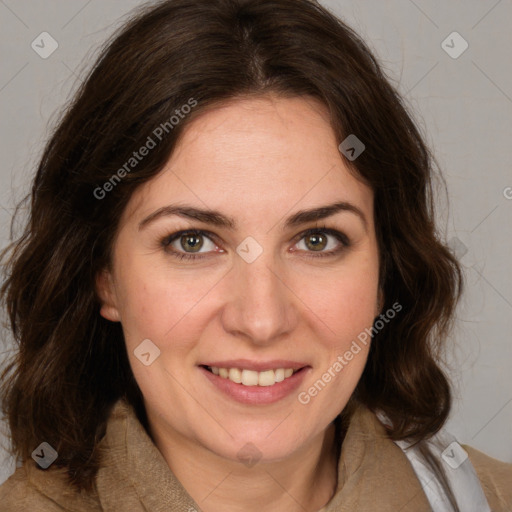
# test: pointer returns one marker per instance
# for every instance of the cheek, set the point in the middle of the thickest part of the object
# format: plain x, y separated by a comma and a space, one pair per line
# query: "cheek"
346, 302
160, 309
145, 305
345, 320
161, 305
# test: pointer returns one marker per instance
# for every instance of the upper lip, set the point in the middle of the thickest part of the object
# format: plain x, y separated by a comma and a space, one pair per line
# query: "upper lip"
257, 366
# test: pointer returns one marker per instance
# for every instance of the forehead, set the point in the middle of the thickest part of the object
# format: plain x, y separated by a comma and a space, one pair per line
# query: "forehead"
253, 156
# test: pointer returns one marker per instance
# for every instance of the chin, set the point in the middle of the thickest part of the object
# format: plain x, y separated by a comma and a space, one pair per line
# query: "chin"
255, 444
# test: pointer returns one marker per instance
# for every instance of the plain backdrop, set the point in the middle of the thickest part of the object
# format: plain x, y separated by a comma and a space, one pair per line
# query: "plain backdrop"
461, 100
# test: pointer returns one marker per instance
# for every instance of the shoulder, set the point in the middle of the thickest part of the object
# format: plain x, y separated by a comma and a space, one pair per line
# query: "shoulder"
45, 491
495, 477
18, 494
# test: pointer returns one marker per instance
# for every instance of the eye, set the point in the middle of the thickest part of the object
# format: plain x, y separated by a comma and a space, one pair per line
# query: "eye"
190, 241
317, 239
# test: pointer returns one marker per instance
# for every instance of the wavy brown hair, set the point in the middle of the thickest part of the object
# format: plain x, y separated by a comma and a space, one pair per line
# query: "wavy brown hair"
71, 365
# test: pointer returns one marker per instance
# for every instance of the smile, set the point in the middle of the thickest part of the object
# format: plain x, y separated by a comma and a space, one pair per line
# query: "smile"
251, 377
259, 385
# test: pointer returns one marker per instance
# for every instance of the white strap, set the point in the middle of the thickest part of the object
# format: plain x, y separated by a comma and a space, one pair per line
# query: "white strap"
459, 470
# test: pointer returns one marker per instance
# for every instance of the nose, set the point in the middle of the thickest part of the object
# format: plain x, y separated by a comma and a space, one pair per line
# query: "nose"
260, 305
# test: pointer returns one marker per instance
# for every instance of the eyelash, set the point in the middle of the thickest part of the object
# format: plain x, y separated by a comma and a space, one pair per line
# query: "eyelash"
341, 237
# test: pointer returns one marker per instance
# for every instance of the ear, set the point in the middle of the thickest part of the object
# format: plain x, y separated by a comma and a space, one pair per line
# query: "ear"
106, 292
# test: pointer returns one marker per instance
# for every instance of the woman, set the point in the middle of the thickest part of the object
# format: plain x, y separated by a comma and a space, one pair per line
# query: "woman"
230, 294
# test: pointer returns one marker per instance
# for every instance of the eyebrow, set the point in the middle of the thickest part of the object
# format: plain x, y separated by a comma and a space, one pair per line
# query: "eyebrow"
220, 220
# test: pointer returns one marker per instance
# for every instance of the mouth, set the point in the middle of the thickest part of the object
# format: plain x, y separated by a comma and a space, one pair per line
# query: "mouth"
248, 377
263, 384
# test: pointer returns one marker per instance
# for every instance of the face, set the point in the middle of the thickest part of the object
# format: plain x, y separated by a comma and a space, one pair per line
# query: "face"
249, 290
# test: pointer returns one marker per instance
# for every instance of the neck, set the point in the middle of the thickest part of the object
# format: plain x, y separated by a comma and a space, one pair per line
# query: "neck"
305, 481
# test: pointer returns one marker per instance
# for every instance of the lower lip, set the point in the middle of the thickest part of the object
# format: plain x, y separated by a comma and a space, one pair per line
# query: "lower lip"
257, 394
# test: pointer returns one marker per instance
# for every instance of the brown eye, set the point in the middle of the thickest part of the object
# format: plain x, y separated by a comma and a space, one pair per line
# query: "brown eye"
191, 241
316, 242
187, 244
318, 239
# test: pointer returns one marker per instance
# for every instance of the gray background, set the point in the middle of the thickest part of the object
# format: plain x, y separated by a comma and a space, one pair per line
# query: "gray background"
463, 106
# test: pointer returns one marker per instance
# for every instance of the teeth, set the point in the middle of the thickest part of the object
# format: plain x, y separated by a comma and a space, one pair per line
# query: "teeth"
235, 375
266, 378
252, 378
279, 374
249, 378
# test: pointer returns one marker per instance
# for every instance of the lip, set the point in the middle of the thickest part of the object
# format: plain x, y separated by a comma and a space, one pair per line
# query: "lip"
257, 395
257, 366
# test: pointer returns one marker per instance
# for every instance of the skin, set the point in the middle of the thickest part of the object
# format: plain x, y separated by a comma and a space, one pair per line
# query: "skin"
257, 160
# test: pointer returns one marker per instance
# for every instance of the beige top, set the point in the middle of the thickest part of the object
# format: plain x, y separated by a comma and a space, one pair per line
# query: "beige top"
373, 474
